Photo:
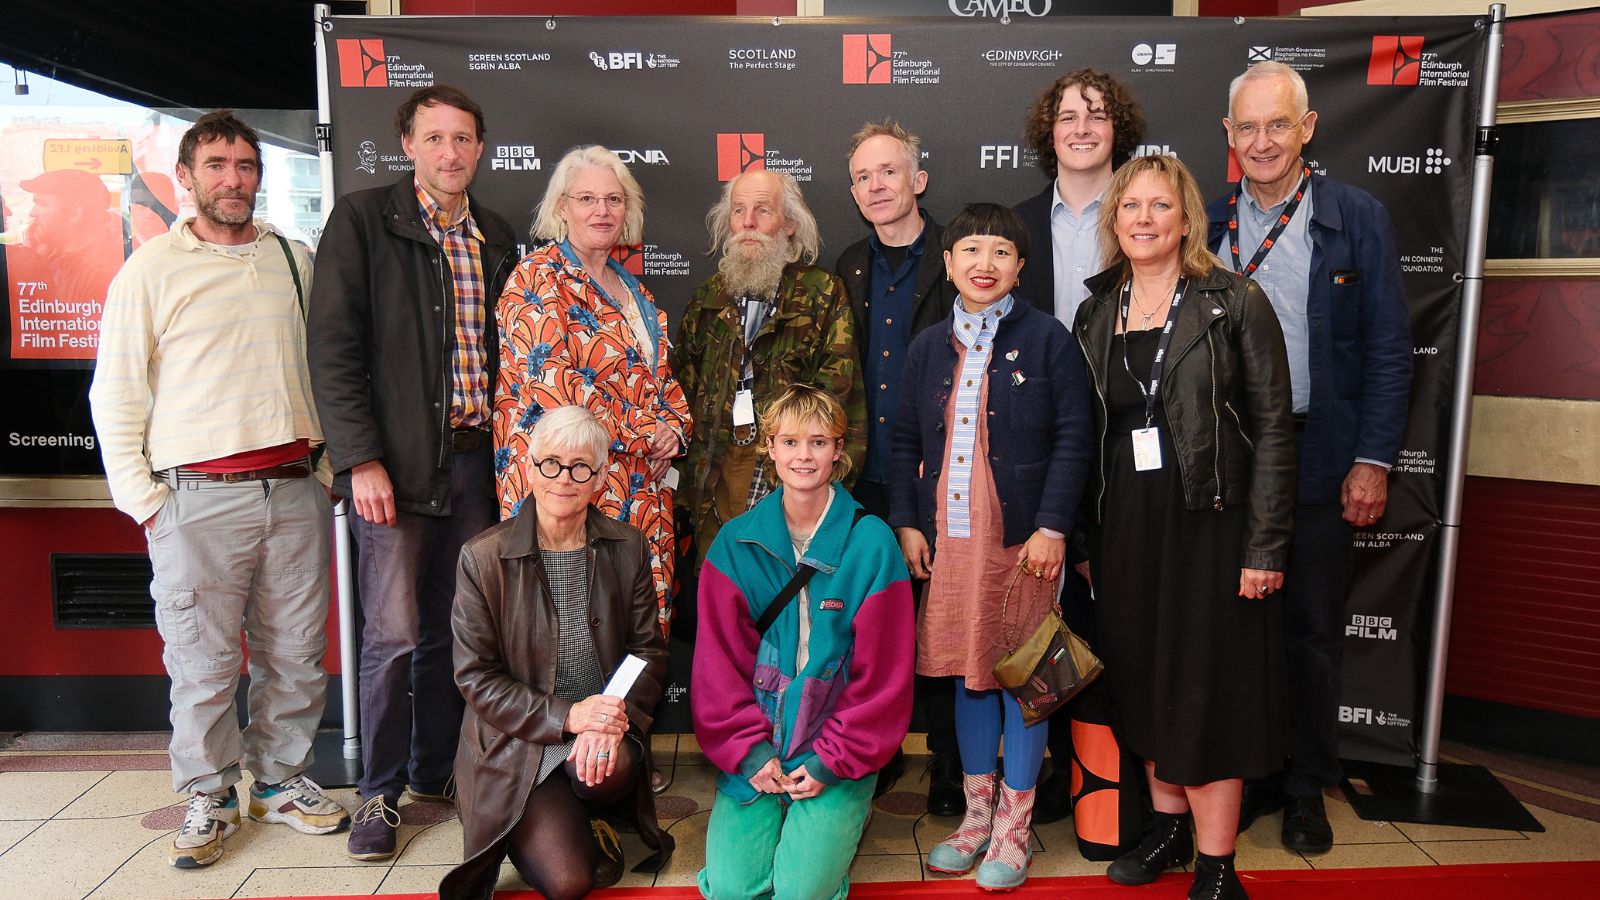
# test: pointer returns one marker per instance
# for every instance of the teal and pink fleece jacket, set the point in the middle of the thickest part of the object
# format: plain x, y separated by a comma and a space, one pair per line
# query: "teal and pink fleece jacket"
844, 714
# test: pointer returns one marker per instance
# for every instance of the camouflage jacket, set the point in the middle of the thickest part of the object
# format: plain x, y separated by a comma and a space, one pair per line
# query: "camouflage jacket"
807, 338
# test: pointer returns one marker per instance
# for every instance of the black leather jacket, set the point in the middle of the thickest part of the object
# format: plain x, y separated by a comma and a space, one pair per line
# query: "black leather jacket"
1226, 395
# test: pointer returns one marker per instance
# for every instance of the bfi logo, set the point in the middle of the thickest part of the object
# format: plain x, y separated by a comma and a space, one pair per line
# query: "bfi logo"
999, 156
617, 59
515, 159
1378, 628
1355, 715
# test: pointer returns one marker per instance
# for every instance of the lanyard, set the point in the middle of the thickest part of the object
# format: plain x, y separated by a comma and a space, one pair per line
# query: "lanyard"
752, 315
1273, 235
1160, 363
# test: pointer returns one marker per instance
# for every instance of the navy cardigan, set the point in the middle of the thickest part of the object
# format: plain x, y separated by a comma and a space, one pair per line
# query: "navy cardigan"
1041, 434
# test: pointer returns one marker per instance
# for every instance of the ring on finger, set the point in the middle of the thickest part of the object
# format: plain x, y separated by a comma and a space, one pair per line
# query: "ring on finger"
603, 754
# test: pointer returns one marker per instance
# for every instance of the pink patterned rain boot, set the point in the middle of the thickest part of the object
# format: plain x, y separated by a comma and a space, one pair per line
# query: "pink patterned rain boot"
958, 853
1005, 866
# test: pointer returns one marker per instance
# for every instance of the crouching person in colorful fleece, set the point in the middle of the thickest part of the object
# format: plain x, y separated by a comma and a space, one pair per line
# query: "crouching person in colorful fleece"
799, 715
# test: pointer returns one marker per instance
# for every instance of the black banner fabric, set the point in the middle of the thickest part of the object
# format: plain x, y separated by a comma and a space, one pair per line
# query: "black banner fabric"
689, 103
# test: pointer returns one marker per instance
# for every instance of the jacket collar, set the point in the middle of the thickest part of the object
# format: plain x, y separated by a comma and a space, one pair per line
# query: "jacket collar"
184, 238
404, 217
522, 536
1103, 287
827, 548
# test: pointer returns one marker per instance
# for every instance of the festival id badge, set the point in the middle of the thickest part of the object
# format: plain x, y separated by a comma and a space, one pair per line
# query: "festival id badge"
744, 408
1146, 449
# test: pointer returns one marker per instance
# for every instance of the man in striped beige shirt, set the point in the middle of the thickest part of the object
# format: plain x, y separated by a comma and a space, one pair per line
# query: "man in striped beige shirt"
202, 402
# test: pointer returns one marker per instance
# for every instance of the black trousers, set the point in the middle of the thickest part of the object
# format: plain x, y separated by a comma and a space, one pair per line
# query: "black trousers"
1314, 592
934, 698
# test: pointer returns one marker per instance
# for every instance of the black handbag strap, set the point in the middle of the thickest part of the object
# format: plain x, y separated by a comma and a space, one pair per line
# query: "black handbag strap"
792, 589
294, 271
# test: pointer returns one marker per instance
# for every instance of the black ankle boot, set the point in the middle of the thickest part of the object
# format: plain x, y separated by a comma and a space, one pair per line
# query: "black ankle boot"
1168, 845
1216, 879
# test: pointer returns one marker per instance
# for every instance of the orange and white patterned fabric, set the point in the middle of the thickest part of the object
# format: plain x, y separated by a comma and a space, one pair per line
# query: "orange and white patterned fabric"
564, 342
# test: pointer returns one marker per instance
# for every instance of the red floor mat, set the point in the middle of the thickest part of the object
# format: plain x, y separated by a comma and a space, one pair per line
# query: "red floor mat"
1566, 881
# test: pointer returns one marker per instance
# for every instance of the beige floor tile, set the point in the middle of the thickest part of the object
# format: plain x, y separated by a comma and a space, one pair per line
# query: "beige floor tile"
40, 795
144, 872
302, 881
14, 831
70, 859
127, 794
1251, 854
433, 845
1059, 859
902, 867
698, 783
1421, 832
411, 879
689, 857
1565, 838
1359, 856
888, 835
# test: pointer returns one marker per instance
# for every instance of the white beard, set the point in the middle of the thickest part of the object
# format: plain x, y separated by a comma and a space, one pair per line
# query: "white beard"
753, 276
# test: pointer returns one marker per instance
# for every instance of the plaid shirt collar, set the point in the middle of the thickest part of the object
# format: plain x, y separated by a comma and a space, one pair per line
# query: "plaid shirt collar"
438, 218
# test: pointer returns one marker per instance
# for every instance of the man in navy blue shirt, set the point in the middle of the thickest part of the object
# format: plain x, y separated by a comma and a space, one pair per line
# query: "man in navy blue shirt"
1325, 254
894, 279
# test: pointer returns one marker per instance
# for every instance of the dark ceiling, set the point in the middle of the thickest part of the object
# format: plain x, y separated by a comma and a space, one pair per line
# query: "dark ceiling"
248, 54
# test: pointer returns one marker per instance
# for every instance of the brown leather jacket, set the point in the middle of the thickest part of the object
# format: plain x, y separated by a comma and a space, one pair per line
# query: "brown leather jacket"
505, 658
1226, 396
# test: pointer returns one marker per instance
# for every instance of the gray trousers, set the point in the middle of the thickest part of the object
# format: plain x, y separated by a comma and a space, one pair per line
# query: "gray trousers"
252, 554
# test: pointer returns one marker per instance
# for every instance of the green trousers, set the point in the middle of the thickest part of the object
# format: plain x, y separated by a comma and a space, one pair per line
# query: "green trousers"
785, 851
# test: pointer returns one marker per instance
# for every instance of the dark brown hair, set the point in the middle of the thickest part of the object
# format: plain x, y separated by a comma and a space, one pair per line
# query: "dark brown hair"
1127, 119
219, 124
444, 94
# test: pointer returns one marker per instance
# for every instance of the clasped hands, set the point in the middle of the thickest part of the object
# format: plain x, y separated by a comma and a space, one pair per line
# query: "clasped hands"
599, 723
799, 784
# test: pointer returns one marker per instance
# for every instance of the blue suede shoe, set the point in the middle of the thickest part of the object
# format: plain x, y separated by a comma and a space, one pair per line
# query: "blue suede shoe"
951, 861
998, 877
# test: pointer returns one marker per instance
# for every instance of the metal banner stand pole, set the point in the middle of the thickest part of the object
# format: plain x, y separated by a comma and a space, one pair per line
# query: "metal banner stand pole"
1452, 794
337, 766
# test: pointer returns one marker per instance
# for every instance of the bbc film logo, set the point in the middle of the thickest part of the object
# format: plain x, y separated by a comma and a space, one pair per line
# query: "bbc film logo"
738, 153
868, 59
362, 63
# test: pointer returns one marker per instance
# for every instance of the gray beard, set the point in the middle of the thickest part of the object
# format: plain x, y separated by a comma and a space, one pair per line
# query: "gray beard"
757, 276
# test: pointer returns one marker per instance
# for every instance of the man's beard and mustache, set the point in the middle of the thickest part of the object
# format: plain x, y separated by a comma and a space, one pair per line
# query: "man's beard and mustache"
753, 274
210, 207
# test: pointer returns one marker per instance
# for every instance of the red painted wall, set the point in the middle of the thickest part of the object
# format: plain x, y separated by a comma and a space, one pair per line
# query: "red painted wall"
1539, 337
30, 644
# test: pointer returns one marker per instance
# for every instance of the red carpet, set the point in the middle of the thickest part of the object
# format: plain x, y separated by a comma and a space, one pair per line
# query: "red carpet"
1563, 881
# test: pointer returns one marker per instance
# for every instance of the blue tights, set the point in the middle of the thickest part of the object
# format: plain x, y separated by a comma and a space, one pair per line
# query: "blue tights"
981, 718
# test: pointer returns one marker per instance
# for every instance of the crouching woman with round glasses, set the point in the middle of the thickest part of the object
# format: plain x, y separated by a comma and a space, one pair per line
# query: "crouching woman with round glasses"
548, 604
799, 717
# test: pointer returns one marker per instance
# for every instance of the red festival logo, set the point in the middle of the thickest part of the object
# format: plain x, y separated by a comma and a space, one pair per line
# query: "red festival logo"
1396, 59
631, 256
868, 59
740, 153
361, 63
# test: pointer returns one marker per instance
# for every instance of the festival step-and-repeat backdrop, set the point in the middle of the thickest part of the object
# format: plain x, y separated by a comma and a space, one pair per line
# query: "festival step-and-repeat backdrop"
690, 103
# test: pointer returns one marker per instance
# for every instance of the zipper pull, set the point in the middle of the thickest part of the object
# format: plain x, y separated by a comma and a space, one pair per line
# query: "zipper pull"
1216, 503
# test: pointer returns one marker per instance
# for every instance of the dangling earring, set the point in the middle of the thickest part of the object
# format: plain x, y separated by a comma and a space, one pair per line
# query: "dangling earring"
948, 277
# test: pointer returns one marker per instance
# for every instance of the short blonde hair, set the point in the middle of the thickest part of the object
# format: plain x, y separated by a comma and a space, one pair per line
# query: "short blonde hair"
802, 403
547, 222
1195, 258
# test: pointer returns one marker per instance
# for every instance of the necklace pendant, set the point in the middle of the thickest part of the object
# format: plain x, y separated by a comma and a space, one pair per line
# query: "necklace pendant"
1145, 320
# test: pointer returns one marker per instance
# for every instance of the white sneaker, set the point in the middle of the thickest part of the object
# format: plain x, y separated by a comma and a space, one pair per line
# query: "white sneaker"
208, 821
298, 803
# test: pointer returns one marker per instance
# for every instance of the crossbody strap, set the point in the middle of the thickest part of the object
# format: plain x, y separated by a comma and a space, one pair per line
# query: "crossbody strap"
294, 271
792, 589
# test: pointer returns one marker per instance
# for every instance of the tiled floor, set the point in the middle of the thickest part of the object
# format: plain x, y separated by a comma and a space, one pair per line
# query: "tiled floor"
91, 816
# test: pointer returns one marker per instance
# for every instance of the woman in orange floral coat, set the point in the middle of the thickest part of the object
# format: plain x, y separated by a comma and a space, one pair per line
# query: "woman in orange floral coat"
577, 329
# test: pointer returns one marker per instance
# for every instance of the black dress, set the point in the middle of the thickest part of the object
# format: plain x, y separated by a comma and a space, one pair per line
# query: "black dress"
1196, 671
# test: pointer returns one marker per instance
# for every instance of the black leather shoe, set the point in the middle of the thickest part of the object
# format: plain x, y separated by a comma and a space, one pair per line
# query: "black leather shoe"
1166, 846
1259, 800
890, 773
945, 796
1053, 802
1305, 824
1216, 879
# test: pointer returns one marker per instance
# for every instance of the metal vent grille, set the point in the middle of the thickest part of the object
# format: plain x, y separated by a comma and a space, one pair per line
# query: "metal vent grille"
102, 590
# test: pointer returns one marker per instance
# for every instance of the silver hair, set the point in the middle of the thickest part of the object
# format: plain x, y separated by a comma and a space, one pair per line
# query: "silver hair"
570, 428
891, 129
1271, 69
804, 244
547, 222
